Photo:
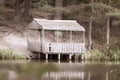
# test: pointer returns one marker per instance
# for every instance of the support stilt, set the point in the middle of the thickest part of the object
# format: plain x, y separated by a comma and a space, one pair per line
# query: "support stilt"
58, 61
46, 61
46, 56
70, 56
82, 56
58, 56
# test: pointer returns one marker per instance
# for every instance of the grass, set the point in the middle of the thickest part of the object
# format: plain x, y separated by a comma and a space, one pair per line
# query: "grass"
11, 54
107, 55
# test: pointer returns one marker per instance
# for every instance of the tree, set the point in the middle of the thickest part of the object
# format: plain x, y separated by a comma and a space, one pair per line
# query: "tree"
26, 14
17, 7
27, 7
2, 2
90, 29
58, 12
108, 33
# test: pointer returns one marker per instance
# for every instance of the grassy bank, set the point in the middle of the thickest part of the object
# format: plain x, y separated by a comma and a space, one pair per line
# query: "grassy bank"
106, 55
11, 54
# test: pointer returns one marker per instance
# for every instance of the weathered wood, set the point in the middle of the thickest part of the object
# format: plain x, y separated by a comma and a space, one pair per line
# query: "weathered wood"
70, 36
57, 36
34, 46
46, 56
65, 47
57, 47
58, 56
42, 38
83, 37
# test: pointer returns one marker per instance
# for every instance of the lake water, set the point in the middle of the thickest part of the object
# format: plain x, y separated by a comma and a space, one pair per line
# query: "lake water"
36, 70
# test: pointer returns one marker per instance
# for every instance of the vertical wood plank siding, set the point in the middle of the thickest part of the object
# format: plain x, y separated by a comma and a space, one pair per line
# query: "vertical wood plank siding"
66, 47
34, 46
58, 47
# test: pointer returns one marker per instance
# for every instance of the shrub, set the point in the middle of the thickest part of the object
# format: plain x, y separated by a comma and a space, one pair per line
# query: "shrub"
107, 55
94, 55
11, 54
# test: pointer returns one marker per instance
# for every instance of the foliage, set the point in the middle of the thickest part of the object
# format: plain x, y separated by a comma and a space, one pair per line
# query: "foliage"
10, 54
108, 55
9, 3
94, 55
116, 72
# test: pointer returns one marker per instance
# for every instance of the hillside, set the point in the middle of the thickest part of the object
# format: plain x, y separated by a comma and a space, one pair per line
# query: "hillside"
13, 35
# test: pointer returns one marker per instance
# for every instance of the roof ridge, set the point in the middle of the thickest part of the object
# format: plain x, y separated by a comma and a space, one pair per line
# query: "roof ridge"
36, 19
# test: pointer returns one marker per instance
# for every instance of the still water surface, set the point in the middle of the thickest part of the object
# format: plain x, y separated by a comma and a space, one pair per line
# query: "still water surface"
35, 70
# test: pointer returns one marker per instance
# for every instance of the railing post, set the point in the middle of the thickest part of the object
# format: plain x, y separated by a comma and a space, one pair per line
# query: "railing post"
70, 36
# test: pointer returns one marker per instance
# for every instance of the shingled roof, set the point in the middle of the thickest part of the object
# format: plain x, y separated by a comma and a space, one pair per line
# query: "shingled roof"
68, 25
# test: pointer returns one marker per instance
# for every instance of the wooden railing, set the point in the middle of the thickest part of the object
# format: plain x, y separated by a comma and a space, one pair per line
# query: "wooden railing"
57, 47
65, 47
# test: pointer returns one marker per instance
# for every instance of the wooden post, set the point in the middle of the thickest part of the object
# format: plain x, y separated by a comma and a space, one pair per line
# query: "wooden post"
46, 56
58, 56
70, 56
83, 41
70, 36
57, 37
82, 56
83, 37
42, 38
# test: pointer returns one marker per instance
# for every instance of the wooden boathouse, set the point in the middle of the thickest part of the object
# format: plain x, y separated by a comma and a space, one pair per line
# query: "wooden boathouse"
56, 37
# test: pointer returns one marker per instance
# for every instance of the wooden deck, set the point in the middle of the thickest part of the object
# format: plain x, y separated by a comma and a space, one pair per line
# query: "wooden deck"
57, 47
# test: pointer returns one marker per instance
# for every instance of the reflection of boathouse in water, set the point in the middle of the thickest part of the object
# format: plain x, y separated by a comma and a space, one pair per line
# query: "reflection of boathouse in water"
75, 76
63, 76
56, 37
